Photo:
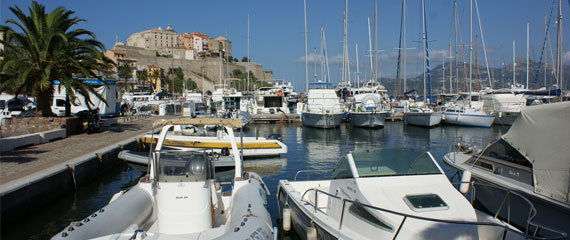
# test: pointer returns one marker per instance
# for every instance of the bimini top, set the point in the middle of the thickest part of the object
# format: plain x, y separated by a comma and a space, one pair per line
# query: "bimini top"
542, 135
233, 123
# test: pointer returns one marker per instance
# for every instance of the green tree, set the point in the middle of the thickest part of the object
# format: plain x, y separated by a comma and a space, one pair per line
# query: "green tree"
125, 72
244, 59
156, 76
178, 79
46, 49
142, 75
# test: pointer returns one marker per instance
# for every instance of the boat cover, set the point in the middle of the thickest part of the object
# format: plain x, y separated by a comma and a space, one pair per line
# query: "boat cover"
229, 122
542, 134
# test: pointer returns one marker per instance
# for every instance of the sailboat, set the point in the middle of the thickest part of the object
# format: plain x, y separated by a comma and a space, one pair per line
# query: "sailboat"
369, 108
183, 198
463, 112
424, 116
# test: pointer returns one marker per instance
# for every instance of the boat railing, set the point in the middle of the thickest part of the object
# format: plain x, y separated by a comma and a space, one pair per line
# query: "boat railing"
509, 193
506, 228
334, 108
309, 171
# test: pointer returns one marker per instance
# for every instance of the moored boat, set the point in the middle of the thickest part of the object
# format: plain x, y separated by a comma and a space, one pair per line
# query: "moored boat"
181, 198
385, 194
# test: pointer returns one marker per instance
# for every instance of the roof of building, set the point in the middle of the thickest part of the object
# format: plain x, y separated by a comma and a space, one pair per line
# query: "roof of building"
118, 51
220, 38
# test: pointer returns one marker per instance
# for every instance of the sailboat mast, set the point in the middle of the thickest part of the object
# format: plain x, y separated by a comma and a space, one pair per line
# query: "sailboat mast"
248, 60
424, 45
455, 46
470, 46
559, 65
450, 69
375, 40
321, 57
371, 50
527, 57
315, 64
514, 66
405, 49
357, 68
306, 60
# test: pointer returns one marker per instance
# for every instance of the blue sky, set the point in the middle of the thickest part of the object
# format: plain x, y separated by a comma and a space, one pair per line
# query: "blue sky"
277, 28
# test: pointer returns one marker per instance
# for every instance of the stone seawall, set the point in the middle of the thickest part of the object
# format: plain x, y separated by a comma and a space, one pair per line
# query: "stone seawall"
26, 125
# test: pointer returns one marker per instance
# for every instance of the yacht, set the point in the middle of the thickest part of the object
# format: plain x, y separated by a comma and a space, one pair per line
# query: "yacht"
385, 194
181, 197
468, 111
323, 108
369, 106
505, 103
269, 100
532, 158
422, 116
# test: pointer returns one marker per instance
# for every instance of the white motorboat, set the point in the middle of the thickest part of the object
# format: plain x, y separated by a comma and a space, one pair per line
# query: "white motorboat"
385, 194
506, 104
532, 158
424, 117
140, 160
468, 110
181, 198
369, 106
269, 100
323, 109
252, 146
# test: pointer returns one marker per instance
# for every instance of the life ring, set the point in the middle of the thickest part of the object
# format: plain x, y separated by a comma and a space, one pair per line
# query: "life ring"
279, 93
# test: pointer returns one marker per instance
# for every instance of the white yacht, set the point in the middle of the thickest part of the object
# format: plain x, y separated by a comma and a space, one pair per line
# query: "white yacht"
468, 111
323, 108
505, 103
269, 100
181, 198
533, 159
369, 106
385, 194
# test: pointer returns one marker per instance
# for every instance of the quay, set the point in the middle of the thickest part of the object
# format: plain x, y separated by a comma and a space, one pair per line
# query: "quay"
32, 177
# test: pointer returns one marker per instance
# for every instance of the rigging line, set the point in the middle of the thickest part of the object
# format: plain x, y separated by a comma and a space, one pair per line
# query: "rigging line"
483, 41
544, 43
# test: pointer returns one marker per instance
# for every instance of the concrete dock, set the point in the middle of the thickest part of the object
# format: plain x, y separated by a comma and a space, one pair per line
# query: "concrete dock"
33, 176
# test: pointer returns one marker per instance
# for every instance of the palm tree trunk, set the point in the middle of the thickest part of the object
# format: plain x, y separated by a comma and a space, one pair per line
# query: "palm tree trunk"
44, 104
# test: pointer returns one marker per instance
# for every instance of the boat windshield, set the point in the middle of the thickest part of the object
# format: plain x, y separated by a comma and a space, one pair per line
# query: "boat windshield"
394, 162
183, 167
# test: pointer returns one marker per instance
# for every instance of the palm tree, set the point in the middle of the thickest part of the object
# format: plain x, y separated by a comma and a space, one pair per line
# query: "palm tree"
156, 76
143, 75
47, 50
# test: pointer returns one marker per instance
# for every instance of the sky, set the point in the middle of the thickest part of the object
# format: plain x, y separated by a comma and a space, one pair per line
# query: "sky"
277, 29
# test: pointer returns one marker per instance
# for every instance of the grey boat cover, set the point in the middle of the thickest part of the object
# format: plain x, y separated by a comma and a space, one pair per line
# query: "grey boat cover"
542, 134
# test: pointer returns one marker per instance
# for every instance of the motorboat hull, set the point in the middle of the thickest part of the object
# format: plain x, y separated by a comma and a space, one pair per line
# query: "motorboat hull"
424, 119
549, 212
321, 120
367, 119
469, 119
252, 147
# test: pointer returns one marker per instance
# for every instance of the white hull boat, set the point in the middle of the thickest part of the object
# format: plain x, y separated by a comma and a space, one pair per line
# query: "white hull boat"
321, 120
180, 198
468, 118
367, 119
252, 146
424, 119
532, 159
385, 194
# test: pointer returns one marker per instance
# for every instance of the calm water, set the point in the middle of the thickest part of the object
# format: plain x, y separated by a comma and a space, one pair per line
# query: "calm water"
308, 149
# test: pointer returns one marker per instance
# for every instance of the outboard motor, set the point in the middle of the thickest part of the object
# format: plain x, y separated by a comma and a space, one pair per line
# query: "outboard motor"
275, 136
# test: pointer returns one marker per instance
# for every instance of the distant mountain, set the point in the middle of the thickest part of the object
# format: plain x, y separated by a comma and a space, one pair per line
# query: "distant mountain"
501, 77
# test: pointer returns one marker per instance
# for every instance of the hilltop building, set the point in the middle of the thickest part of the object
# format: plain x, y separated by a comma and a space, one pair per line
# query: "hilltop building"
154, 39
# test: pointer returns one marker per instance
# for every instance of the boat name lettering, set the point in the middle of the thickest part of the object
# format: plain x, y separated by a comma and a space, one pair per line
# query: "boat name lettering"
351, 189
181, 197
259, 233
516, 174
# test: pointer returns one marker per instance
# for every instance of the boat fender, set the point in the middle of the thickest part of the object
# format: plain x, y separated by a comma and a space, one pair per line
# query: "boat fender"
465, 182
286, 219
311, 233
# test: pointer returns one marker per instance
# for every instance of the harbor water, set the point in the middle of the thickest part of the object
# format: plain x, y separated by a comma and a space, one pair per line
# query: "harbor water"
308, 148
